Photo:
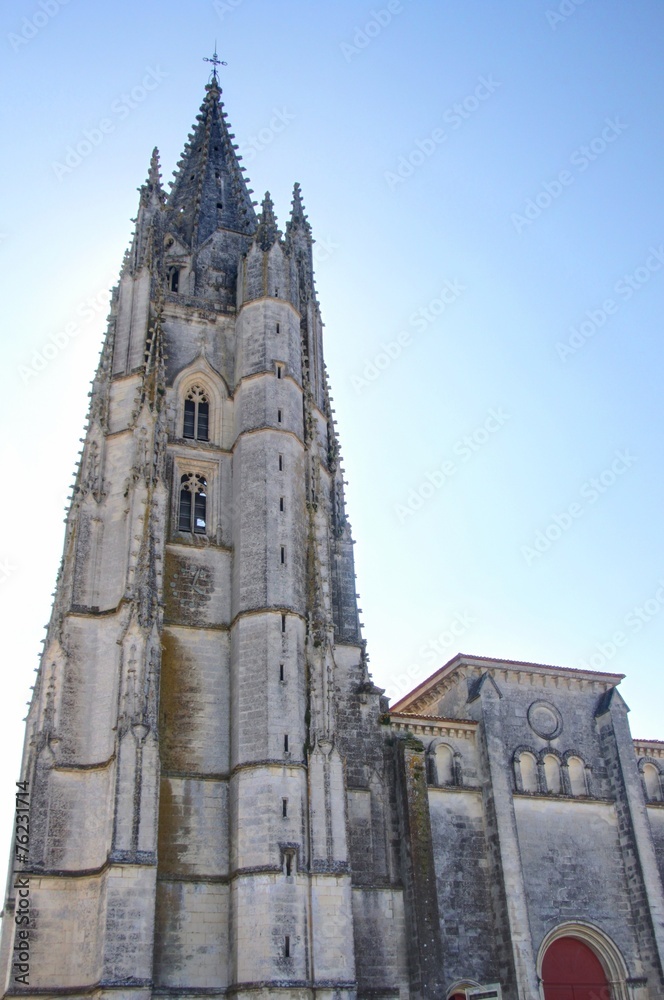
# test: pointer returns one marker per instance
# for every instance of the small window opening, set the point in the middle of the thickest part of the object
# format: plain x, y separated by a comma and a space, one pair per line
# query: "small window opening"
174, 279
196, 415
287, 946
279, 416
283, 554
279, 370
281, 672
281, 504
219, 204
286, 743
289, 864
283, 623
278, 332
281, 463
284, 808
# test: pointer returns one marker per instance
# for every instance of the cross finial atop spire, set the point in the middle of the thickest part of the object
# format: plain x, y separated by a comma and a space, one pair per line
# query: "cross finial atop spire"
216, 61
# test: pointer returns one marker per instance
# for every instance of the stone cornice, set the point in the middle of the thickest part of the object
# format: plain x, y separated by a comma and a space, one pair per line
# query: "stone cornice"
649, 748
419, 725
534, 674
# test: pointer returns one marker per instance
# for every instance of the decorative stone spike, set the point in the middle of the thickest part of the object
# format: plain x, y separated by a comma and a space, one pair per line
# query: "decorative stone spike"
267, 232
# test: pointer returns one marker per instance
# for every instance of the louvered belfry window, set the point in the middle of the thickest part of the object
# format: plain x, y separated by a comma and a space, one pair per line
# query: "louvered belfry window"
193, 503
196, 414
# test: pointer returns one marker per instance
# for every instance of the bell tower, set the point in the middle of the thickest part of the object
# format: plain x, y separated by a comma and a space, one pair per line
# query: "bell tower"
210, 810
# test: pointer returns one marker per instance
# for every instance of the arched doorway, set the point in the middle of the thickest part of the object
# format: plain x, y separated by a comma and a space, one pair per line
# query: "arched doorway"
572, 971
457, 991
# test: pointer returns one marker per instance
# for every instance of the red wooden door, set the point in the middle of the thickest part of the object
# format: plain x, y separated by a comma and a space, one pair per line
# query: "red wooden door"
572, 971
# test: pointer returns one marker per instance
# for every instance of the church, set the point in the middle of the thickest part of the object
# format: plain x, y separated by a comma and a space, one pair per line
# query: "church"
215, 798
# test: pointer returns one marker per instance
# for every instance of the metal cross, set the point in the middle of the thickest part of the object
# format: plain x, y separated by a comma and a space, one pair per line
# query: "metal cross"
216, 61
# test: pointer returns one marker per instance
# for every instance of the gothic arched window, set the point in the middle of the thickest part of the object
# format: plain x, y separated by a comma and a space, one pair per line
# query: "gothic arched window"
193, 503
196, 414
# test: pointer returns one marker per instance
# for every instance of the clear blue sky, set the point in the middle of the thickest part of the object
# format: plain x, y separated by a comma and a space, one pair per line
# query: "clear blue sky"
483, 179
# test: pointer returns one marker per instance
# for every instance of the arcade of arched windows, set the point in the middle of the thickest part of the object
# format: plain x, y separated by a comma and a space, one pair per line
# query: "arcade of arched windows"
547, 772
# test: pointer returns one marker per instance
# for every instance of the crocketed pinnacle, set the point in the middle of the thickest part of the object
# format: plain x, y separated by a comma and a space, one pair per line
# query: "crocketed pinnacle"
267, 232
152, 191
298, 222
209, 191
150, 204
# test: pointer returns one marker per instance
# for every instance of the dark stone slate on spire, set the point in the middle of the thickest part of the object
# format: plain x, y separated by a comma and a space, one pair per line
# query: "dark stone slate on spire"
209, 191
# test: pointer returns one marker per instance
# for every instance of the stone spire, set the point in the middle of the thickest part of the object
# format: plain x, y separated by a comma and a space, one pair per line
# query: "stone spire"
150, 207
267, 233
299, 221
152, 192
299, 243
209, 191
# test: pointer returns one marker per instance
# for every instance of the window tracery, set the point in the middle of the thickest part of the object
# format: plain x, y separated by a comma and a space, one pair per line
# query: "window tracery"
193, 503
196, 423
